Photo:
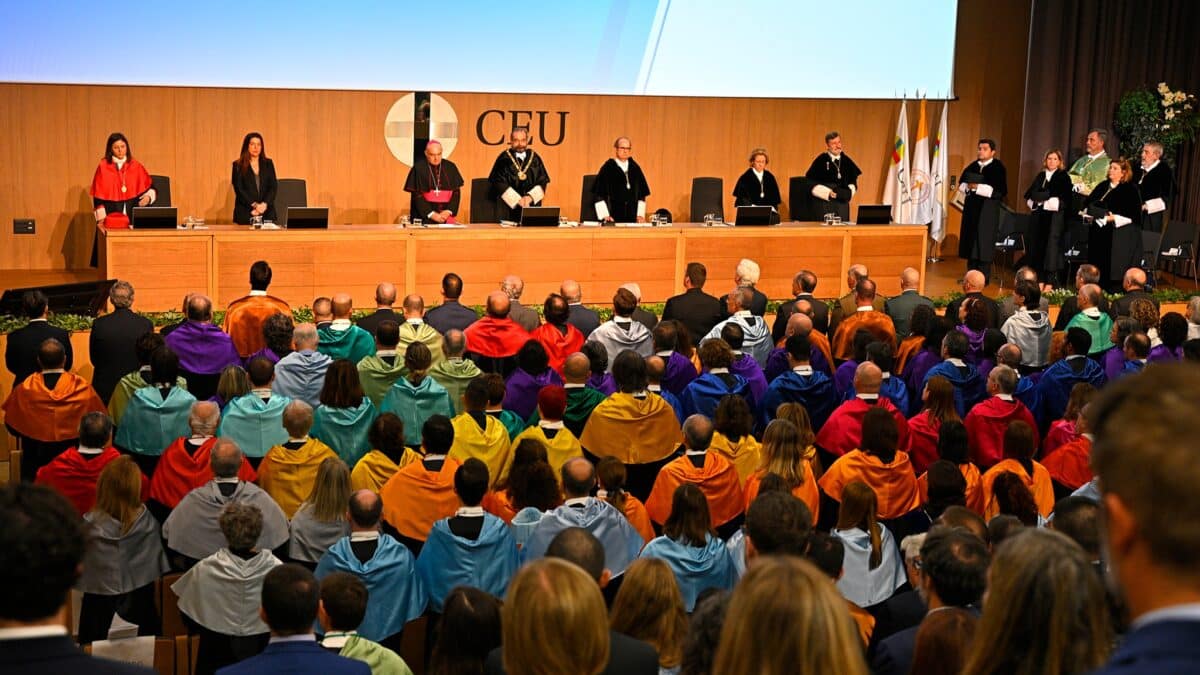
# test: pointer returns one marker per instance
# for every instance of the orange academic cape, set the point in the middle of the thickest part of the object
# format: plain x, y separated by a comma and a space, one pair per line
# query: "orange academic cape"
1039, 485
498, 503
717, 479
908, 346
50, 415
1070, 463
74, 475
970, 473
635, 512
415, 498
876, 323
178, 472
894, 484
986, 424
634, 430
806, 492
245, 317
864, 621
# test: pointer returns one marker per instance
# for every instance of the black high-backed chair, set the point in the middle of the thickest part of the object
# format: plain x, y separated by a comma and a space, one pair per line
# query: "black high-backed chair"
708, 196
587, 206
162, 189
291, 192
483, 207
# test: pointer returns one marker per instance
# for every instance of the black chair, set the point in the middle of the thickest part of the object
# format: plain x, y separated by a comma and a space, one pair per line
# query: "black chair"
162, 190
1151, 245
587, 206
1075, 245
1010, 238
799, 195
483, 207
708, 196
1184, 238
291, 192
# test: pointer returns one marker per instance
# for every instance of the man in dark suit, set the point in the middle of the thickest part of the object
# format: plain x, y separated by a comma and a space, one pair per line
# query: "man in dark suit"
901, 307
972, 285
1148, 465
42, 546
290, 597
385, 299
1134, 284
803, 286
112, 341
586, 320
953, 574
20, 357
696, 310
450, 315
526, 317
626, 655
1086, 274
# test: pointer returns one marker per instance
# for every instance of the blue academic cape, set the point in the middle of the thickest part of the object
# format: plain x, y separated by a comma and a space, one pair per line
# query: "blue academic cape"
969, 387
254, 424
696, 568
778, 364
621, 541
151, 423
345, 429
301, 375
673, 401
705, 392
815, 392
1054, 387
396, 594
414, 404
892, 388
448, 560
1027, 393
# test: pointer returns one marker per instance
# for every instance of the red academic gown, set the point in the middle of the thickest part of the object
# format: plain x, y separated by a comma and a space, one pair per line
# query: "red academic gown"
75, 475
50, 415
495, 338
558, 345
178, 472
1070, 463
923, 434
108, 181
986, 424
894, 484
843, 431
717, 479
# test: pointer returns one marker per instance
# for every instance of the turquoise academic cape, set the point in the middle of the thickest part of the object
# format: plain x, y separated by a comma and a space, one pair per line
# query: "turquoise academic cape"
414, 404
254, 424
448, 560
151, 423
621, 541
696, 568
345, 429
354, 343
394, 589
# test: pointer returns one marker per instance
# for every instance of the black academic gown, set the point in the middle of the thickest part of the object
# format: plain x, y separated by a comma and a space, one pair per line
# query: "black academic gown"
837, 175
247, 190
1042, 251
749, 191
444, 180
981, 215
506, 174
1157, 183
620, 191
1110, 248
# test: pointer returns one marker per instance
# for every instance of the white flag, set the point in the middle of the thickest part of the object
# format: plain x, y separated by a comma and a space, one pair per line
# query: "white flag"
938, 177
895, 191
919, 185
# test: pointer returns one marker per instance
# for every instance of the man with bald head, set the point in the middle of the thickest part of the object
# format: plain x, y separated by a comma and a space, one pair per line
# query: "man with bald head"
679, 369
245, 316
901, 307
322, 310
455, 371
526, 317
1010, 355
385, 299
581, 399
716, 476
494, 340
1086, 274
435, 185
289, 470
301, 374
973, 284
185, 464
620, 190
203, 348
843, 431
756, 340
804, 284
583, 318
800, 383
414, 329
799, 323
1134, 284
846, 306
341, 339
865, 317
1097, 323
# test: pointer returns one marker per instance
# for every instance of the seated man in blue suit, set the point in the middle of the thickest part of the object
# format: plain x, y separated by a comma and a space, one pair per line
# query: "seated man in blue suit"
290, 597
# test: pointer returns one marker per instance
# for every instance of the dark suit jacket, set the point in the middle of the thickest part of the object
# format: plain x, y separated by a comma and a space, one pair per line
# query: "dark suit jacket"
1162, 648
758, 306
586, 320
370, 322
246, 192
20, 357
1120, 306
297, 658
820, 317
626, 656
696, 310
57, 655
900, 308
993, 308
526, 317
645, 317
449, 315
894, 655
111, 348
901, 611
1070, 308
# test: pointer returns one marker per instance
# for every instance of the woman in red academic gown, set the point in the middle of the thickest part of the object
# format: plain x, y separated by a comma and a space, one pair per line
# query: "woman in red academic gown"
121, 182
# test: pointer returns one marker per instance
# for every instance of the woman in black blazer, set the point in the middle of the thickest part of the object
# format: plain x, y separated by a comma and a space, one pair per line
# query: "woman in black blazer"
1115, 242
254, 182
1048, 197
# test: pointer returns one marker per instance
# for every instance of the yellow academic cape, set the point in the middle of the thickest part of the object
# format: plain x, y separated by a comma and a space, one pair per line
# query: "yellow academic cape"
289, 475
634, 430
420, 332
562, 447
489, 445
372, 471
745, 454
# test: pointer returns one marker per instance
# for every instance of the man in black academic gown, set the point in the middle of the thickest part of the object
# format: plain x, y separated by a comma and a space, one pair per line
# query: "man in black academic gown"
436, 186
832, 181
985, 184
1156, 184
620, 189
518, 177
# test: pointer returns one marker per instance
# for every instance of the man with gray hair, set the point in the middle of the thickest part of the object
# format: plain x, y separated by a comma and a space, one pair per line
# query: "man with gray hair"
192, 531
715, 475
846, 306
289, 469
204, 349
111, 344
756, 340
301, 374
746, 276
526, 317
1090, 170
1156, 185
186, 464
988, 420
454, 372
1192, 313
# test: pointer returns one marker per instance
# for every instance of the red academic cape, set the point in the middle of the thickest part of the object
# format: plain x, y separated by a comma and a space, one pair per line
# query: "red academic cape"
970, 473
806, 492
244, 320
1070, 463
908, 346
986, 424
106, 183
923, 434
495, 338
178, 472
717, 479
51, 415
894, 484
843, 431
1061, 432
1039, 485
414, 498
876, 323
558, 346
75, 475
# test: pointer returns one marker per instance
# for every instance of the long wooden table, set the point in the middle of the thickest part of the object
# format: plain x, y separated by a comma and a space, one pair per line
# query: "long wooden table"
164, 265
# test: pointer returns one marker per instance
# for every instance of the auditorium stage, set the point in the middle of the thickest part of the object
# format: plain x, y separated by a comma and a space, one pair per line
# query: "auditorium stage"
163, 265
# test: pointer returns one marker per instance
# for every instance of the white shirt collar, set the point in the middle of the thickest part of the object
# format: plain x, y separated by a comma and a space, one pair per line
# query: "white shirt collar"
1097, 155
742, 313
575, 385
469, 511
340, 324
257, 294
623, 163
416, 321
305, 637
1075, 356
868, 397
519, 155
656, 388
433, 458
302, 439
803, 370
364, 536
665, 354
84, 450
1093, 312
120, 161
719, 371
547, 424
758, 174
31, 632
833, 156
261, 392
1005, 397
52, 370
1091, 437
40, 318
868, 308
231, 479
957, 363
576, 500
1187, 612
337, 640
385, 352
695, 453
1151, 167
983, 164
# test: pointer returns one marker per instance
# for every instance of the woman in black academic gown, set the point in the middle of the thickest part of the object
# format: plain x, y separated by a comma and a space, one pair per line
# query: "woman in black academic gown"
757, 186
1048, 197
254, 182
1115, 242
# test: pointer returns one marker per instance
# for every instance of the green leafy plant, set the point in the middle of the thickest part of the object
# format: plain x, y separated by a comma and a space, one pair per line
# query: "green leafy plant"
1160, 114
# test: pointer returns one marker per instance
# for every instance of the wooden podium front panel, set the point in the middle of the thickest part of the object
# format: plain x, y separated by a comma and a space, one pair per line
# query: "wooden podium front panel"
162, 265
780, 252
886, 251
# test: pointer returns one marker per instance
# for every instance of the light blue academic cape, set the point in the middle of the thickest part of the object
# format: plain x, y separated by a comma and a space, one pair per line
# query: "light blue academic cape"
448, 560
396, 594
254, 424
859, 583
345, 429
151, 423
737, 552
524, 523
696, 568
301, 375
621, 542
414, 404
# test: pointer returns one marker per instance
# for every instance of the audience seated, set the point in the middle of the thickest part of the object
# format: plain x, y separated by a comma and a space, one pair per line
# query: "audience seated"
414, 329
203, 348
925, 427
880, 353
388, 453
321, 519
714, 475
558, 337
494, 340
528, 491
650, 608
112, 339
550, 429
277, 331
301, 374
377, 372
341, 339
611, 475
878, 463
1029, 326
289, 469
345, 415
621, 332
185, 464
801, 383
455, 372
690, 545
678, 370
1056, 382
451, 315
865, 317
234, 382
342, 608
756, 334
701, 396
143, 348
969, 387
843, 431
1091, 318
385, 300
787, 452
245, 316
987, 421
469, 633
255, 420
157, 414
421, 492
695, 309
601, 378
74, 472
1172, 329
733, 437
1020, 444
1069, 465
655, 369
532, 373
872, 571
479, 434
22, 345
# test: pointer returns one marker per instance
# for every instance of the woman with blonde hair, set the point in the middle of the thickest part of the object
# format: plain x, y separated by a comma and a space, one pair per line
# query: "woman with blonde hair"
1048, 198
321, 519
611, 474
1045, 613
554, 621
798, 415
872, 568
787, 591
648, 607
788, 454
125, 555
234, 382
925, 427
733, 436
